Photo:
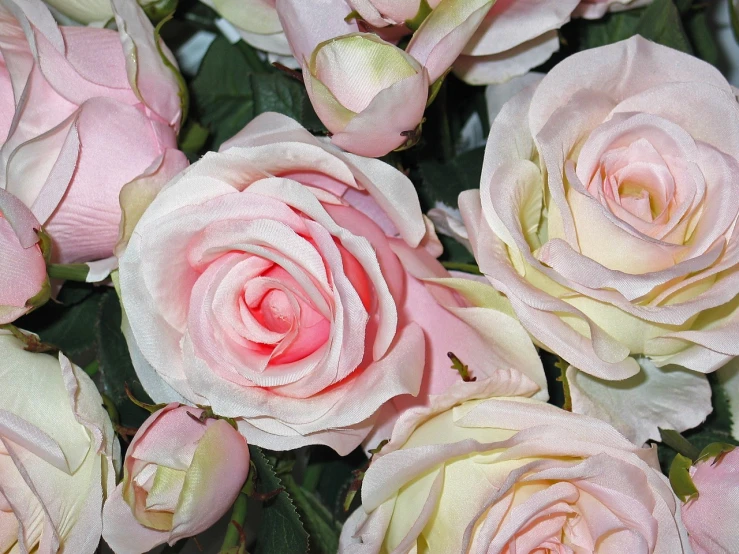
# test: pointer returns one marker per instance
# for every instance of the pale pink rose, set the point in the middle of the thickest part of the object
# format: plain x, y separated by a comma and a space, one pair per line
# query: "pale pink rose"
23, 280
279, 281
607, 216
516, 36
594, 9
58, 454
369, 93
487, 470
710, 519
180, 476
93, 108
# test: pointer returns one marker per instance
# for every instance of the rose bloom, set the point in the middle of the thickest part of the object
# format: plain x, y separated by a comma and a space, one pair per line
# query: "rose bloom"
710, 518
607, 216
56, 454
180, 476
485, 469
23, 281
594, 9
75, 129
278, 281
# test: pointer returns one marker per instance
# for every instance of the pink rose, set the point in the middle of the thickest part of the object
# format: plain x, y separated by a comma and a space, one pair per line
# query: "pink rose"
486, 469
94, 109
607, 215
278, 281
711, 517
594, 9
23, 280
180, 476
515, 37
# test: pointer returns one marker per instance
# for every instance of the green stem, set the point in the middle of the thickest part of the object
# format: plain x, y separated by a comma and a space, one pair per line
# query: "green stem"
312, 476
679, 444
69, 272
467, 268
238, 514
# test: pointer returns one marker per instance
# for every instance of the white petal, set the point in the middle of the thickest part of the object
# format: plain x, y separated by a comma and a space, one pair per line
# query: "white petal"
667, 398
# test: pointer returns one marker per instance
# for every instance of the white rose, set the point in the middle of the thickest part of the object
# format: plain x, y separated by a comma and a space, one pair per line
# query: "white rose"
56, 454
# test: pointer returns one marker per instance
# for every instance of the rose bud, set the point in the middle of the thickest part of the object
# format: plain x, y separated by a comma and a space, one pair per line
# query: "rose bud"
23, 281
369, 93
181, 474
101, 109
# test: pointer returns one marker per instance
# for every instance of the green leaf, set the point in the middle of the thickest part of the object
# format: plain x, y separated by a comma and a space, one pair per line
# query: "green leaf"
324, 530
116, 370
68, 323
233, 86
192, 139
443, 182
661, 23
281, 531
680, 478
733, 12
336, 477
716, 428
703, 37
611, 28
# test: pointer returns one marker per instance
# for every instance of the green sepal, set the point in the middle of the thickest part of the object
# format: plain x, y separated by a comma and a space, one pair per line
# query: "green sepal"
680, 478
412, 137
183, 93
44, 242
41, 297
715, 450
353, 16
151, 408
436, 87
159, 9
423, 12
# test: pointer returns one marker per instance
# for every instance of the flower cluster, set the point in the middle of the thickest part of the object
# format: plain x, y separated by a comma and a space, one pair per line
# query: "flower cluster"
281, 297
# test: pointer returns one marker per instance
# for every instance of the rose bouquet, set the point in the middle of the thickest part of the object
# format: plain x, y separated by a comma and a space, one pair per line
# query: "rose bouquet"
368, 277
